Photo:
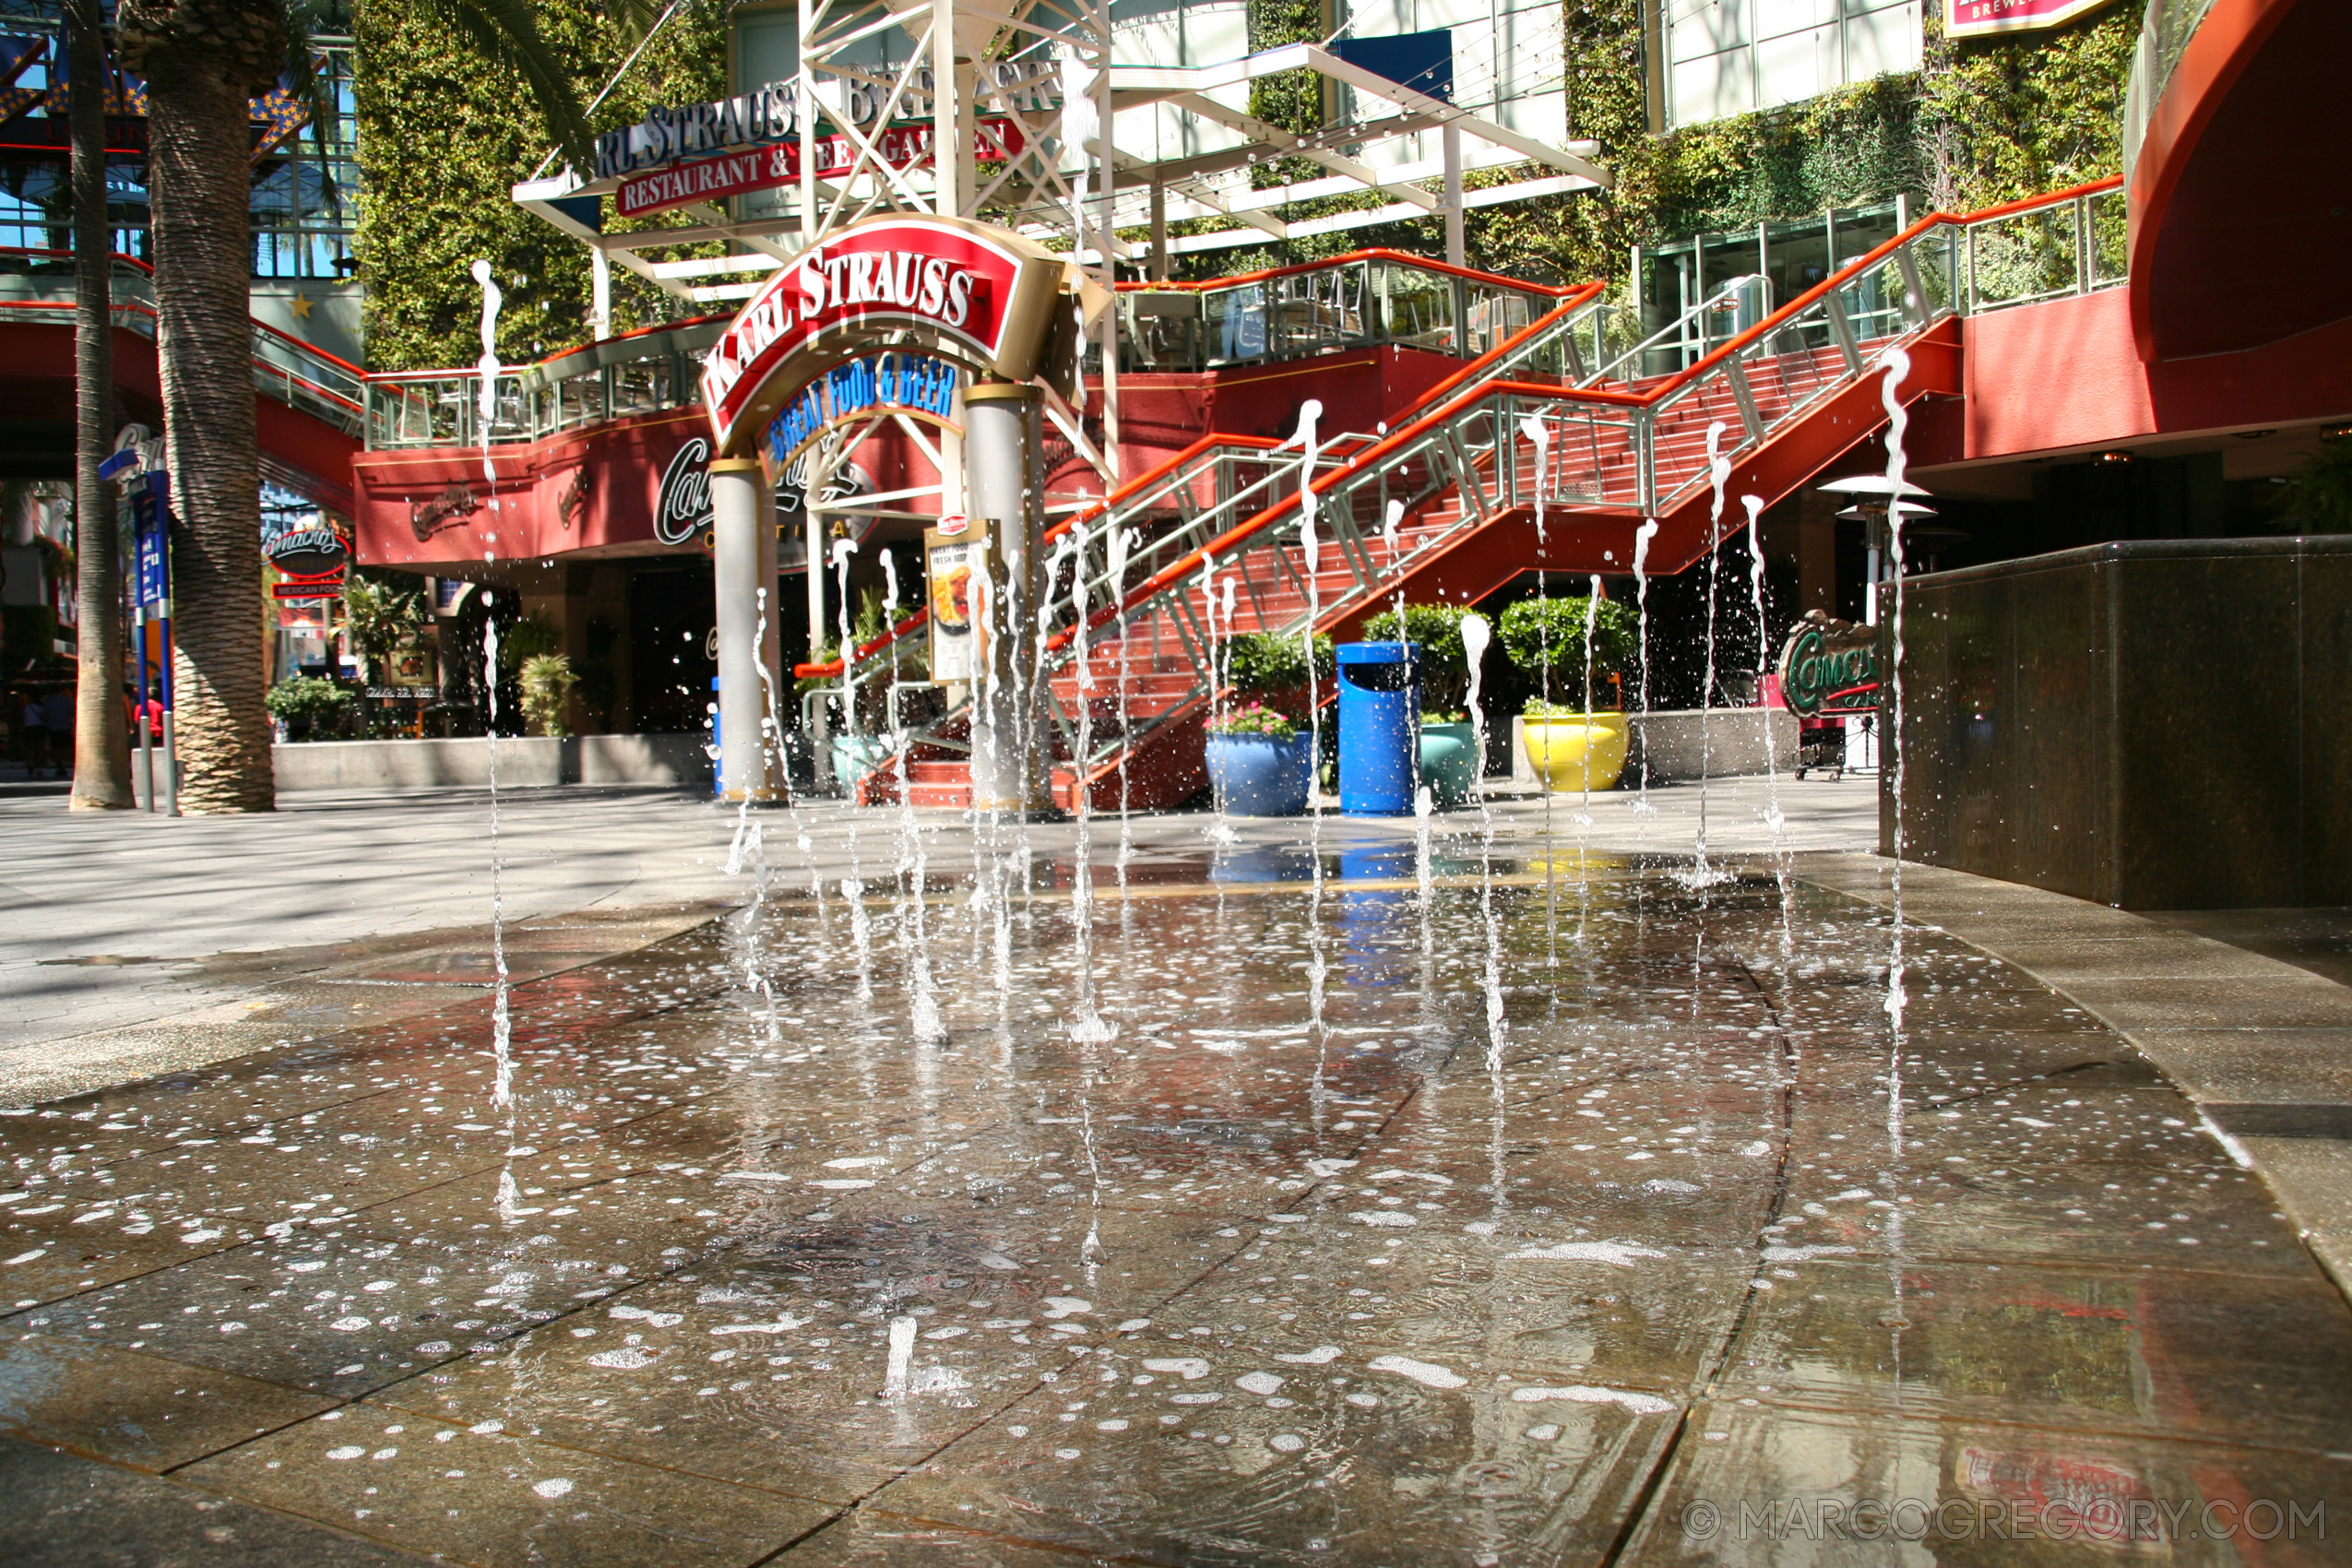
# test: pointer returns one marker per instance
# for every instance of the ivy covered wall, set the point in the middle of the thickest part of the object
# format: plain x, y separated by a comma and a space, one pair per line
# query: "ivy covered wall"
1981, 122
442, 138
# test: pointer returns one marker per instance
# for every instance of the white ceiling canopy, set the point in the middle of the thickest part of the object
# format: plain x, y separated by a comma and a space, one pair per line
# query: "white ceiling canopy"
1039, 189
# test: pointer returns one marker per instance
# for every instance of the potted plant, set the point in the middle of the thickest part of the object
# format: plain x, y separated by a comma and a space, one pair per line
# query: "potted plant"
1449, 760
310, 707
1272, 668
1258, 761
1574, 744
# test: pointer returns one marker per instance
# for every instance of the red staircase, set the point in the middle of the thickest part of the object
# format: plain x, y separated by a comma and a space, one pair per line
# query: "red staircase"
1475, 506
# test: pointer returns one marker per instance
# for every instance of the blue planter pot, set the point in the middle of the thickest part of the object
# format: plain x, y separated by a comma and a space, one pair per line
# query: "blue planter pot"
1449, 761
1258, 776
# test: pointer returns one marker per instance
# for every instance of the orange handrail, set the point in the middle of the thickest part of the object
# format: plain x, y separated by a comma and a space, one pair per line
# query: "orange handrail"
1373, 253
1168, 575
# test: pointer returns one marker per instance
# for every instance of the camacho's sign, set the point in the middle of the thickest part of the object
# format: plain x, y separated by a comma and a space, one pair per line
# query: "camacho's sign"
979, 296
1830, 666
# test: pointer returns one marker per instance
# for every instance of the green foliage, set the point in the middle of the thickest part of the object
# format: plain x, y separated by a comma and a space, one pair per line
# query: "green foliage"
442, 138
1445, 667
525, 640
381, 615
1256, 719
547, 682
1262, 663
2317, 497
2002, 118
28, 637
1983, 122
310, 705
1540, 634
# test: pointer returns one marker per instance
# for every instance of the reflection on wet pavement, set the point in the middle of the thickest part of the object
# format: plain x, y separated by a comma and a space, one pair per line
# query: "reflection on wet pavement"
1278, 1274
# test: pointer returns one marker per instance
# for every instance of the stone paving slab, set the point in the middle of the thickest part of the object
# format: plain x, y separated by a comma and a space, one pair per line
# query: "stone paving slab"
1975, 1492
100, 1515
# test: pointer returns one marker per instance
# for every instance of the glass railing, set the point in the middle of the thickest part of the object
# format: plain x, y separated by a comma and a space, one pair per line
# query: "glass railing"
1362, 300
2165, 28
643, 373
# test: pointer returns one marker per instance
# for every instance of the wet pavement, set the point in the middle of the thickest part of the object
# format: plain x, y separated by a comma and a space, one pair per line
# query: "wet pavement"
1592, 1211
132, 945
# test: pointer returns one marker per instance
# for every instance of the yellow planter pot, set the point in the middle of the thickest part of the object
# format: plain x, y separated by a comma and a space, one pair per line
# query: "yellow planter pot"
1584, 752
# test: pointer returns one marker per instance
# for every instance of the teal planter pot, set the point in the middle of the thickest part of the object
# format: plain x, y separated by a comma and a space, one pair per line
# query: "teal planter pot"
1449, 761
854, 757
1259, 776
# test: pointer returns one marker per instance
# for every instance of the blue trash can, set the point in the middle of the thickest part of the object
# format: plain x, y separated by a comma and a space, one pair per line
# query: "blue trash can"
1380, 728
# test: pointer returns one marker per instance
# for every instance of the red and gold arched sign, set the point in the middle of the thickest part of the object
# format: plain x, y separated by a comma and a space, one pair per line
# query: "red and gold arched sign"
979, 295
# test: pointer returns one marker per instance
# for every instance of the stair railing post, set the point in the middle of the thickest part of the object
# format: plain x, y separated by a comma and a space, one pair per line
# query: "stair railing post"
1744, 395
1915, 294
2081, 205
1841, 327
1644, 462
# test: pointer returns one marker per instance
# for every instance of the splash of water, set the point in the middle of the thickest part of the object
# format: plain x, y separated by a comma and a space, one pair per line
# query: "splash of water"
923, 1019
1088, 1025
1118, 547
1898, 421
1309, 556
1539, 436
1702, 875
1392, 519
1775, 821
502, 1030
1475, 634
1642, 537
1221, 642
486, 407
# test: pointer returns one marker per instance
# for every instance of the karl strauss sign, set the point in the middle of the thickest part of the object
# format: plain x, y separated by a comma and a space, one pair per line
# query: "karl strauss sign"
978, 295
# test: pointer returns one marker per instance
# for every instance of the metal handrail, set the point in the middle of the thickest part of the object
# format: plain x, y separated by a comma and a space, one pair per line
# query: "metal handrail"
316, 381
1655, 431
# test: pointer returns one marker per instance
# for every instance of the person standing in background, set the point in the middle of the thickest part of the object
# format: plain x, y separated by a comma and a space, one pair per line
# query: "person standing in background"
57, 715
33, 724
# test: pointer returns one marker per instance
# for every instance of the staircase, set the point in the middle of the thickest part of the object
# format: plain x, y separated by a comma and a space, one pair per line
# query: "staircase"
1464, 497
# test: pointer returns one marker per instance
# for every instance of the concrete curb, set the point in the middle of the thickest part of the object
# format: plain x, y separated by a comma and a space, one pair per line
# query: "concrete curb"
523, 761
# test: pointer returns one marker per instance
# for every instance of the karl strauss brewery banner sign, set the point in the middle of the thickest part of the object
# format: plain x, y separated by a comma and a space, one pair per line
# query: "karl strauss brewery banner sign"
1982, 19
976, 296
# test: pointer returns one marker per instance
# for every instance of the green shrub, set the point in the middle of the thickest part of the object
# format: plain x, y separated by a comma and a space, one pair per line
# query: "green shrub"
527, 639
309, 705
1262, 663
1256, 719
1543, 635
1445, 667
547, 682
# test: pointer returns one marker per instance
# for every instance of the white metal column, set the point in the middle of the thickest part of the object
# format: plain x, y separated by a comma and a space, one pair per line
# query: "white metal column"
742, 565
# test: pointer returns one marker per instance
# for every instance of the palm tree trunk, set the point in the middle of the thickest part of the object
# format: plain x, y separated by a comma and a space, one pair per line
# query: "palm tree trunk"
102, 750
199, 176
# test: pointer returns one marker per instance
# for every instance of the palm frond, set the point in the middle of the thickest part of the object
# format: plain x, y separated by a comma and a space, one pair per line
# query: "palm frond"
506, 33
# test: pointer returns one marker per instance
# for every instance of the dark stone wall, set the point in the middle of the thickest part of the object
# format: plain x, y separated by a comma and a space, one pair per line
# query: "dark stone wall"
2156, 725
